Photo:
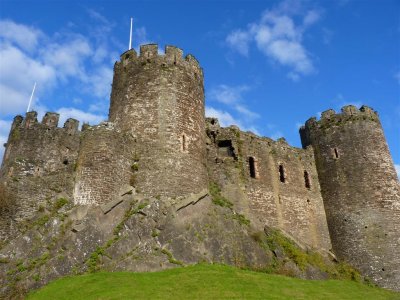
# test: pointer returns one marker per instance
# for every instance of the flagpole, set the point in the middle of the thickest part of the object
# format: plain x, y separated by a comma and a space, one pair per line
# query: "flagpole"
30, 100
130, 36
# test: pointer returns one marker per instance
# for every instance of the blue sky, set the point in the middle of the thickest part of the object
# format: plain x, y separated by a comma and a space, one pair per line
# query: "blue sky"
268, 65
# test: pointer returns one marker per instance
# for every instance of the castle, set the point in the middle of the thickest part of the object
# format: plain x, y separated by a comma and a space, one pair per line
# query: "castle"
339, 194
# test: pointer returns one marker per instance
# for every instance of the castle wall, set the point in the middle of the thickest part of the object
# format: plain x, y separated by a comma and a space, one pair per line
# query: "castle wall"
160, 100
360, 190
38, 162
247, 169
104, 164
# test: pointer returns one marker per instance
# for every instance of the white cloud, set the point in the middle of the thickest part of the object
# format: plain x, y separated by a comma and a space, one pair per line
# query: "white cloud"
67, 58
98, 82
83, 117
239, 39
23, 36
225, 119
246, 112
232, 96
15, 89
4, 131
290, 53
61, 58
312, 16
397, 167
228, 94
278, 38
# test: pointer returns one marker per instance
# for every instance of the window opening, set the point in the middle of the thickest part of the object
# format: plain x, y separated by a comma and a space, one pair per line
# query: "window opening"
183, 142
225, 148
335, 152
307, 180
282, 176
252, 165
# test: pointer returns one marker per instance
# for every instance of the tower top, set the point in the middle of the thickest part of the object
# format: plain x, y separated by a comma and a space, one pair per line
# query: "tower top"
173, 56
348, 113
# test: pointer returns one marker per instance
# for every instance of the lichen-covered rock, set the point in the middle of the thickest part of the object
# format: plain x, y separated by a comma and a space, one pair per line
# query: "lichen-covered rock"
138, 234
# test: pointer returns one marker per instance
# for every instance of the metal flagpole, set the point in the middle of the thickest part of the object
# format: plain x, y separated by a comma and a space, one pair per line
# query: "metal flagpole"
130, 36
30, 100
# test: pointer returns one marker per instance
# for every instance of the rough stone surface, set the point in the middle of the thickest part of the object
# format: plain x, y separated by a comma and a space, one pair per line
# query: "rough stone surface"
290, 205
159, 99
360, 189
139, 235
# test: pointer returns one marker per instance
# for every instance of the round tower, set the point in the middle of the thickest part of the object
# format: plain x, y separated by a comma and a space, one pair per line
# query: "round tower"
360, 189
159, 100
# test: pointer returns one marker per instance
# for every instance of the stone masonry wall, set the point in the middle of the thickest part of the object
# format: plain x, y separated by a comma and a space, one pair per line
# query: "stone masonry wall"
257, 190
360, 190
38, 164
159, 99
104, 165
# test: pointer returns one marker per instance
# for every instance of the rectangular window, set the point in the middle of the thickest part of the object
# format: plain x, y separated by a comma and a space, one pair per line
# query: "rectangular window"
253, 167
282, 175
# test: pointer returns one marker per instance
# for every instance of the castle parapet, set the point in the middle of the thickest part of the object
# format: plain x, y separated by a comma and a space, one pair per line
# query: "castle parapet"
149, 50
50, 119
349, 113
30, 119
17, 122
71, 125
173, 56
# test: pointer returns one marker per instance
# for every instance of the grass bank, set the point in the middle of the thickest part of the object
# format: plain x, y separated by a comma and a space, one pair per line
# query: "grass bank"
204, 282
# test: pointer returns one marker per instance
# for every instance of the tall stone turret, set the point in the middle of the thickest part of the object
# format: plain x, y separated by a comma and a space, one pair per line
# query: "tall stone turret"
159, 100
360, 190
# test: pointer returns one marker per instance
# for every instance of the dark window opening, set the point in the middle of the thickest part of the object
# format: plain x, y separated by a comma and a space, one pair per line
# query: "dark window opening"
65, 162
212, 122
126, 56
183, 142
282, 176
383, 269
307, 180
335, 152
225, 148
175, 59
252, 165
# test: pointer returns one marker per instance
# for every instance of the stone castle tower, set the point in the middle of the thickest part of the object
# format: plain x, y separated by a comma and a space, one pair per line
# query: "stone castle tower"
339, 193
159, 99
360, 190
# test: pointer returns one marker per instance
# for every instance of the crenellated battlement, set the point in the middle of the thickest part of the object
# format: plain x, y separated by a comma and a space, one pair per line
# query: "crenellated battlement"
348, 113
173, 57
49, 121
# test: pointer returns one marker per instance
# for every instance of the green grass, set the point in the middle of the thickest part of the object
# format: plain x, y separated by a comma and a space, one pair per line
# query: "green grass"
204, 282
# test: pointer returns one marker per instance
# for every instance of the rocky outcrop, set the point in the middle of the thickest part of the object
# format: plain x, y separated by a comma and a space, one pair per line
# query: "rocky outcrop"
142, 234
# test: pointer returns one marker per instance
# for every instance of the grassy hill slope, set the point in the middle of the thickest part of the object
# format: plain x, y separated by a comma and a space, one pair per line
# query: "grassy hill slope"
204, 282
